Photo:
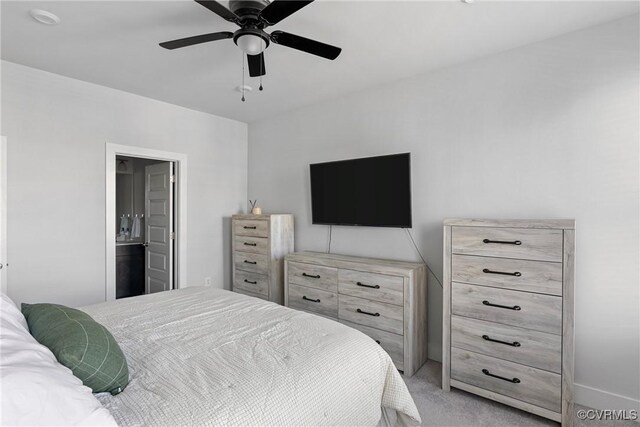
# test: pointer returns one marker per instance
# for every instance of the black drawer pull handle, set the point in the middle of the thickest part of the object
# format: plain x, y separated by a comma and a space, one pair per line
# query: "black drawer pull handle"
309, 299
511, 380
514, 307
246, 227
368, 286
503, 242
250, 262
512, 344
309, 275
517, 273
366, 312
378, 341
249, 281
250, 244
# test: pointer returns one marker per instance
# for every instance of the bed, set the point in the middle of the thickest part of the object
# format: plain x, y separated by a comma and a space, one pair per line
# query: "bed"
207, 356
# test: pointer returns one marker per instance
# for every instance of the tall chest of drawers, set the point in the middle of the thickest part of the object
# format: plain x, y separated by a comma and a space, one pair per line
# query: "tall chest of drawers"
508, 312
384, 299
259, 244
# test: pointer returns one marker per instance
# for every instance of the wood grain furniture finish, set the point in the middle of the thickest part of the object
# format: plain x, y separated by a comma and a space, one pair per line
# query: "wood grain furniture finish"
384, 299
508, 310
259, 245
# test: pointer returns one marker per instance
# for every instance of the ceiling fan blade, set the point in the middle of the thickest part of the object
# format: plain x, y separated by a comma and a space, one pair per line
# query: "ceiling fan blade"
203, 38
219, 10
306, 45
256, 65
277, 10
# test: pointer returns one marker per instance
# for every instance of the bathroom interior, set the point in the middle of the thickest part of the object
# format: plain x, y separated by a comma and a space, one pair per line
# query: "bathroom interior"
130, 213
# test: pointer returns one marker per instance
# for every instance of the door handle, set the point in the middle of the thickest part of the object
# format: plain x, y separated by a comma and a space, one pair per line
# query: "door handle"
1, 265
145, 244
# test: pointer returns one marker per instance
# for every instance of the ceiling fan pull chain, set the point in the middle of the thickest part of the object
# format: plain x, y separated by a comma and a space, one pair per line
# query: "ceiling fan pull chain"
261, 70
242, 76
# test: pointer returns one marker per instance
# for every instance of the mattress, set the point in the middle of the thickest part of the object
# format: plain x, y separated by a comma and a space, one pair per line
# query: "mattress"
204, 356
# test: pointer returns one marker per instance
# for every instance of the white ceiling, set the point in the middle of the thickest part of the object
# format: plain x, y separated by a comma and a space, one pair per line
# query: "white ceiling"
115, 44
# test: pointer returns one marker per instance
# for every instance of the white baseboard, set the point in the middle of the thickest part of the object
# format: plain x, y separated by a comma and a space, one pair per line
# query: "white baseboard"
600, 399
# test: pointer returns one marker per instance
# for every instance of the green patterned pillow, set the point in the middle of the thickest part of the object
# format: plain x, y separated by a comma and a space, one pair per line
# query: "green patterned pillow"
81, 344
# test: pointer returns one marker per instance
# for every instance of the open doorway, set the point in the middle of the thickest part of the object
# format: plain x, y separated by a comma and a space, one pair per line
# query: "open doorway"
145, 236
146, 221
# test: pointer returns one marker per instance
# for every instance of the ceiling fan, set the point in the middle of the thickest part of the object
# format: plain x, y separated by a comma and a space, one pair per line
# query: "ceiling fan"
253, 16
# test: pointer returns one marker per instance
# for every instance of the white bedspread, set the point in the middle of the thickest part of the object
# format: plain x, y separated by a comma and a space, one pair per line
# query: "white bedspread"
207, 356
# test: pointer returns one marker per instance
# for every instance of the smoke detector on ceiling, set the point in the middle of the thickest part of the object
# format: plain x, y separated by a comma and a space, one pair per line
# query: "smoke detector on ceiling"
44, 17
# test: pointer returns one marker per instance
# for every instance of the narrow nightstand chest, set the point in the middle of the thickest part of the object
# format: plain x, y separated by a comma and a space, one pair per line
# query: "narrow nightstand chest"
508, 312
259, 244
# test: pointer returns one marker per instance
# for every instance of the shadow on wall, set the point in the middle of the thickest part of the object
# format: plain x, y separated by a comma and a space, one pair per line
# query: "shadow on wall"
227, 259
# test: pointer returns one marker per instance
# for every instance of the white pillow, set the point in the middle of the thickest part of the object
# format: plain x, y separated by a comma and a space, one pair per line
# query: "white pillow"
35, 388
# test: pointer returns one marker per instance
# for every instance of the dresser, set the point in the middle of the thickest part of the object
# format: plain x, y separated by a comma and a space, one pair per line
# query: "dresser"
259, 244
508, 312
384, 299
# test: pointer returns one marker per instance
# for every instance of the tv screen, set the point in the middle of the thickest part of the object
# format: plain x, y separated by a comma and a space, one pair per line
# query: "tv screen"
374, 191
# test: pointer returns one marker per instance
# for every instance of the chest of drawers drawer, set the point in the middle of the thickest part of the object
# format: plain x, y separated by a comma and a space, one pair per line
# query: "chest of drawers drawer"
519, 243
527, 310
535, 386
374, 286
313, 300
251, 227
256, 245
392, 343
386, 317
532, 348
255, 263
531, 276
251, 282
250, 294
314, 276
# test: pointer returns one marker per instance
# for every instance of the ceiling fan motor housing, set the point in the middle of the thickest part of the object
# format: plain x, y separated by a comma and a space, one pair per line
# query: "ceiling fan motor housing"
247, 8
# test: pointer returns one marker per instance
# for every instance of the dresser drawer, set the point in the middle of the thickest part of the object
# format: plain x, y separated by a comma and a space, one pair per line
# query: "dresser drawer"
251, 282
256, 245
251, 227
520, 243
531, 348
528, 310
533, 276
255, 263
378, 287
250, 294
313, 300
393, 344
535, 386
315, 276
387, 317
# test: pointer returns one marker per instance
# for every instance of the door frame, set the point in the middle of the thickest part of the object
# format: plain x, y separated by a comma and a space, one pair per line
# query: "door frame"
3, 214
180, 199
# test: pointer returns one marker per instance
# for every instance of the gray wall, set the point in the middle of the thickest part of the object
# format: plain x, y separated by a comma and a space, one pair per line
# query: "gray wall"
548, 130
56, 129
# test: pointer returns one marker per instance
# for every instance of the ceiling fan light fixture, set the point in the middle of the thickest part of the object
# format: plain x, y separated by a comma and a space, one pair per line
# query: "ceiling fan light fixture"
251, 44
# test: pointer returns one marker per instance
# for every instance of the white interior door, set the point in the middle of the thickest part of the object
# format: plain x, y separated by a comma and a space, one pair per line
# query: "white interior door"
159, 227
3, 214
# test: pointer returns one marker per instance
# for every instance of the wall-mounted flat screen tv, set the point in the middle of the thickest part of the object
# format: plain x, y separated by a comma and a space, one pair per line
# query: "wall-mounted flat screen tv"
372, 191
